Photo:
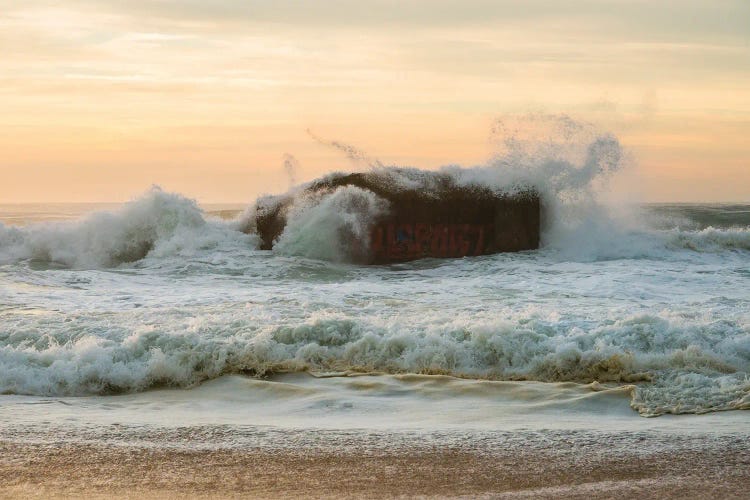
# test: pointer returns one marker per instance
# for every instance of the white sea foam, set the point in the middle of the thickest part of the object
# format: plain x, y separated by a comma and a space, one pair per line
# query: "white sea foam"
679, 365
157, 224
710, 239
571, 165
331, 226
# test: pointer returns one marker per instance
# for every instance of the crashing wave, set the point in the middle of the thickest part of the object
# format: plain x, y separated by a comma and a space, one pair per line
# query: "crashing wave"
157, 224
679, 366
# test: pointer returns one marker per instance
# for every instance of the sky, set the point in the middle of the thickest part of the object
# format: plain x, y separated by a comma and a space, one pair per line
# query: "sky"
100, 99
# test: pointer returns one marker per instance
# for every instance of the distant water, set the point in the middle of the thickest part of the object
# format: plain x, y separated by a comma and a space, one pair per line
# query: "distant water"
652, 307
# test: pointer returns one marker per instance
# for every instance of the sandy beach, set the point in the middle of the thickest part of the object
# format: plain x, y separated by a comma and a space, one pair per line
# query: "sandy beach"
329, 464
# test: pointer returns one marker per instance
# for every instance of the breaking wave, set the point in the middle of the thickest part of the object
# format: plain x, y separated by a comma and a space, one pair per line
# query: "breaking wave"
334, 227
569, 163
679, 366
710, 239
158, 224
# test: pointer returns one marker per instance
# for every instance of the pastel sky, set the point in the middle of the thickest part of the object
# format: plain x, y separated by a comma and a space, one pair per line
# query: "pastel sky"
100, 99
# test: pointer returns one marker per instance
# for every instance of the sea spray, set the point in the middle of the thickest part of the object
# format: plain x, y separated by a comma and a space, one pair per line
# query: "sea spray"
157, 224
566, 169
333, 226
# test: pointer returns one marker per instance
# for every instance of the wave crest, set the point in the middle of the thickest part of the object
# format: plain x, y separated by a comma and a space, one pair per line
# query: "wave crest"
710, 239
678, 366
331, 226
157, 224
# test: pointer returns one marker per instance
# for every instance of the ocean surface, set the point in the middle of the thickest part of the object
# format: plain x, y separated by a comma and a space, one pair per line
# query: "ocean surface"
135, 311
159, 312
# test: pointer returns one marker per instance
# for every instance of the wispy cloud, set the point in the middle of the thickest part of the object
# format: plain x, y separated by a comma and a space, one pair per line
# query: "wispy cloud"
144, 68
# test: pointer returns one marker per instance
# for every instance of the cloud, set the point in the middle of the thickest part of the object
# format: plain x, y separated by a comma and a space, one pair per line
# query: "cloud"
386, 69
639, 19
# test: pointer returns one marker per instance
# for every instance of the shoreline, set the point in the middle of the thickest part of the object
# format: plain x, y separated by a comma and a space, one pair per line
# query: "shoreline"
300, 436
98, 471
233, 462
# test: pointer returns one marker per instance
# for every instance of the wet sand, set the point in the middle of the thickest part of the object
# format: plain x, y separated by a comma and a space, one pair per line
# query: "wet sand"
336, 438
531, 465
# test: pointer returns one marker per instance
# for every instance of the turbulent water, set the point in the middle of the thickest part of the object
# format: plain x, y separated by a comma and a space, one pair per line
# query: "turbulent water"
159, 293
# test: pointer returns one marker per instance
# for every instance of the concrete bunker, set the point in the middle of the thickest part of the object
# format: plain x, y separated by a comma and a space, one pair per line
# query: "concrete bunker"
435, 217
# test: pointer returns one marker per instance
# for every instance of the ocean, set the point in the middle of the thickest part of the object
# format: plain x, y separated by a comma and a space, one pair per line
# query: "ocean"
661, 312
160, 323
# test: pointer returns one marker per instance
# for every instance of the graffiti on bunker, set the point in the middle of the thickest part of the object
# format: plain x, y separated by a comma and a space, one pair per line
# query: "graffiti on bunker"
409, 241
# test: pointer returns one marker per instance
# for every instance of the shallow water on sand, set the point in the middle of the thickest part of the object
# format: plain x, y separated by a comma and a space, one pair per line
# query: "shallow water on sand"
385, 403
